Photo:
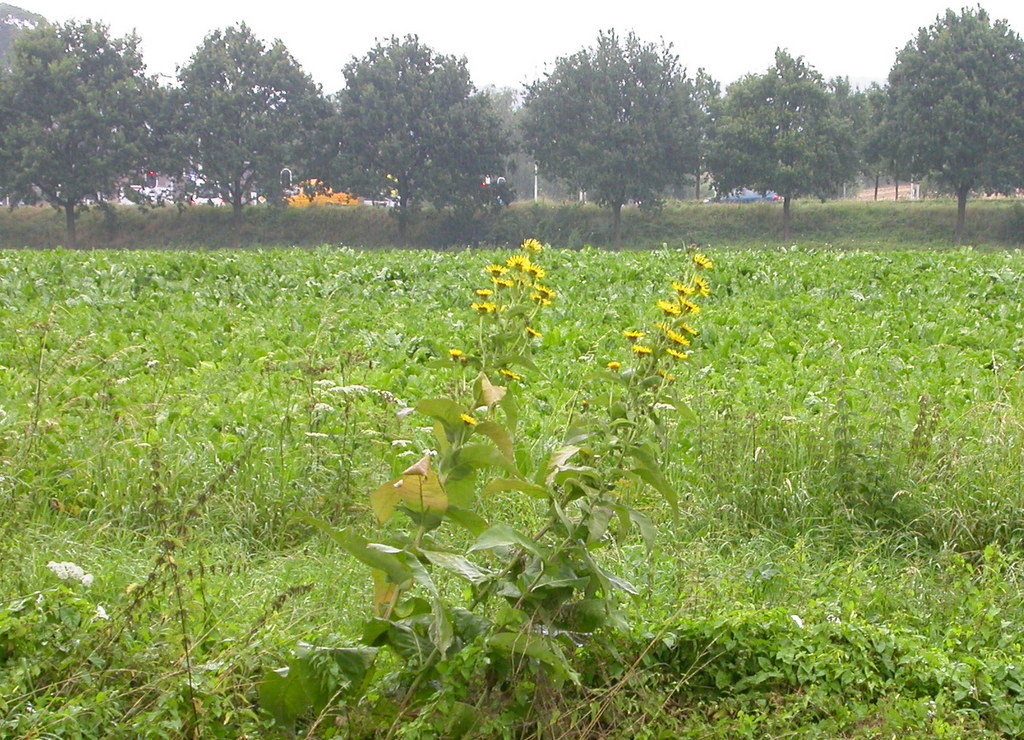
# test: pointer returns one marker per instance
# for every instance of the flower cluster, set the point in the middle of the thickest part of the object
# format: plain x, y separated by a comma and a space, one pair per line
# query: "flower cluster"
513, 300
673, 335
70, 572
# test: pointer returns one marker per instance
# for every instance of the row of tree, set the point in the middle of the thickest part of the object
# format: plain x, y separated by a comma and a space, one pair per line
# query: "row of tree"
620, 120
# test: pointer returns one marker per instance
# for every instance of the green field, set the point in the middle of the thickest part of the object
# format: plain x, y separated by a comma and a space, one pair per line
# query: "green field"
845, 560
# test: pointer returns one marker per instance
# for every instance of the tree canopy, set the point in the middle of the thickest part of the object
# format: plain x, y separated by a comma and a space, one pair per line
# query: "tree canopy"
72, 115
782, 131
619, 120
247, 111
414, 127
956, 96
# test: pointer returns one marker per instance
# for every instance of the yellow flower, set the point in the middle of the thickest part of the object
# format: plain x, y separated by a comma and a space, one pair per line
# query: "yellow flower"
468, 420
633, 335
702, 261
532, 245
614, 366
502, 282
511, 375
668, 378
675, 337
518, 262
484, 307
536, 271
538, 298
641, 350
456, 354
495, 270
683, 289
483, 293
702, 285
689, 307
545, 293
670, 309
532, 333
676, 354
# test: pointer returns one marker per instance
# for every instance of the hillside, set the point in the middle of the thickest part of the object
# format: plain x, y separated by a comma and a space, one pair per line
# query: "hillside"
14, 20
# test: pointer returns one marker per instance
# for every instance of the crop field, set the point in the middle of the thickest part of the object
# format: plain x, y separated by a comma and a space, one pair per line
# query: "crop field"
818, 533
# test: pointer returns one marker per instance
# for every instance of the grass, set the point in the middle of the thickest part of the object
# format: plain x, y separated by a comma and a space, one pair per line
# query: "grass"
856, 455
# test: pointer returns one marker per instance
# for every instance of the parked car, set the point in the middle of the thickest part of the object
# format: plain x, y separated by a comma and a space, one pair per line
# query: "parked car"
746, 195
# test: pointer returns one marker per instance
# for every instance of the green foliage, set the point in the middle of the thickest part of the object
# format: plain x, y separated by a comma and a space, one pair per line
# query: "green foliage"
244, 111
853, 452
414, 125
955, 94
72, 115
890, 225
783, 131
544, 593
619, 120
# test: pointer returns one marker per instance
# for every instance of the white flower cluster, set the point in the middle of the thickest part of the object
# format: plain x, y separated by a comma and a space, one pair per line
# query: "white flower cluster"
70, 572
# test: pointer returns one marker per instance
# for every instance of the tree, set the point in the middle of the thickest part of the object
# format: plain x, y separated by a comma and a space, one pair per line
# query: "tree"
707, 91
956, 94
879, 142
247, 111
782, 131
618, 120
414, 126
72, 116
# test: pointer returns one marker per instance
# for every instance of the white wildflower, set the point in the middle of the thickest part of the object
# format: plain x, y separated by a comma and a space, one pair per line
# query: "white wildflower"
322, 408
316, 435
324, 383
797, 621
664, 407
101, 613
351, 390
397, 443
70, 572
150, 364
404, 412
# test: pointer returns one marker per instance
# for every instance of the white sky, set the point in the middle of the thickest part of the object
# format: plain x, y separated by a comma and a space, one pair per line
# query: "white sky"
510, 42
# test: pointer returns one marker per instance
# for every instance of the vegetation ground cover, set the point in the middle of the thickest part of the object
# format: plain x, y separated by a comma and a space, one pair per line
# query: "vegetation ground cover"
846, 561
847, 225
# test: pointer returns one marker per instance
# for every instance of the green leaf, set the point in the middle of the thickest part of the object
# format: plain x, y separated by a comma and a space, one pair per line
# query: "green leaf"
500, 436
536, 647
499, 485
456, 564
650, 472
444, 410
468, 520
360, 548
556, 463
481, 456
313, 678
502, 535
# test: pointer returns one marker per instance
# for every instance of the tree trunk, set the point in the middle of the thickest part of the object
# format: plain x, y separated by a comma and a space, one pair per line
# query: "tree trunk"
961, 212
403, 218
697, 186
877, 178
236, 220
785, 219
897, 189
69, 226
617, 225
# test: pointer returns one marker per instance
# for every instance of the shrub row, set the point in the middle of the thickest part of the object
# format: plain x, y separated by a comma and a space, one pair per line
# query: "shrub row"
997, 223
